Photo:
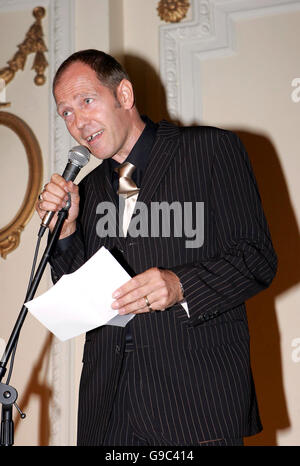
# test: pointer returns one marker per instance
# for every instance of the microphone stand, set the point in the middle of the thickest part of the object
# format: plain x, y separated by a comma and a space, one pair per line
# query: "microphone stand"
8, 394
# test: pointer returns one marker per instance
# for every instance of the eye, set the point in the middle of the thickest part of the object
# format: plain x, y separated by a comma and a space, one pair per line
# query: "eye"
66, 113
88, 100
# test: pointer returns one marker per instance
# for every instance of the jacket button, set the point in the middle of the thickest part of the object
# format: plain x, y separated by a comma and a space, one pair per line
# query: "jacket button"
118, 349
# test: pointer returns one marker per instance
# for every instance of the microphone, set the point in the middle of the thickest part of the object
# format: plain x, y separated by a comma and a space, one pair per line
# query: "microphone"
78, 157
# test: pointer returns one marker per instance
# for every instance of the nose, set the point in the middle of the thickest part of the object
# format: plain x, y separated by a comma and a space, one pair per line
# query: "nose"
80, 119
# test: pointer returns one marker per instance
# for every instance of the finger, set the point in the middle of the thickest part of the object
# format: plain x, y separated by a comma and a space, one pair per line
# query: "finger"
149, 276
72, 188
129, 286
155, 301
137, 294
40, 211
138, 305
46, 206
55, 189
55, 194
155, 306
151, 308
48, 196
59, 181
159, 300
74, 194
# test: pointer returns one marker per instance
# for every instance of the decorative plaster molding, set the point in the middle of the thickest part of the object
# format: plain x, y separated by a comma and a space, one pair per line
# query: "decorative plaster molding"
61, 45
172, 11
61, 25
210, 32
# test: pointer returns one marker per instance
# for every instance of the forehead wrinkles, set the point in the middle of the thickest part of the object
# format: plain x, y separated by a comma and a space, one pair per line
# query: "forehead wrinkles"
72, 89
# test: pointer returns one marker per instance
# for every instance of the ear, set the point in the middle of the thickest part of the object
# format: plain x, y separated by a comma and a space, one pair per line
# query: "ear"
125, 94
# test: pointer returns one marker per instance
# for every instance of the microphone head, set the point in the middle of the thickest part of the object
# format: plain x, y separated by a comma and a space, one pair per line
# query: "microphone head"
79, 155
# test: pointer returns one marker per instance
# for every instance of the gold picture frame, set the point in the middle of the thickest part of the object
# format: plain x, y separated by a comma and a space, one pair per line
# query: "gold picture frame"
10, 234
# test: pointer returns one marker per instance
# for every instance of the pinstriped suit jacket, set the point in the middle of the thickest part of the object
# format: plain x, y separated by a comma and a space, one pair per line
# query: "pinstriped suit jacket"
195, 370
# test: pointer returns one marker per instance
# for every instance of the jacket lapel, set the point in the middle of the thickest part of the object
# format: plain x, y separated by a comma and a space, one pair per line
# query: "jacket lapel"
163, 151
105, 193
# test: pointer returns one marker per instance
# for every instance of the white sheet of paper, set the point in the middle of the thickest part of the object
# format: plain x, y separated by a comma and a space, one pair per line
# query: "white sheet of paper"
81, 301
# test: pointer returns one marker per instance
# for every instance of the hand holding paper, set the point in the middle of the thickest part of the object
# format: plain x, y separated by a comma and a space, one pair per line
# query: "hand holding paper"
81, 301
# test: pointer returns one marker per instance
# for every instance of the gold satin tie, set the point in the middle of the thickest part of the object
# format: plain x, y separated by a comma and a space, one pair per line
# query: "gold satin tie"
128, 190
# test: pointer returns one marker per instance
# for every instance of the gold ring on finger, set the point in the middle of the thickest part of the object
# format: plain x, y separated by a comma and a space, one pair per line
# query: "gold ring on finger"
148, 303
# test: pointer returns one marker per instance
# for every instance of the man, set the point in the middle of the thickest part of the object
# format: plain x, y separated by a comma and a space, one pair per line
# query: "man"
179, 372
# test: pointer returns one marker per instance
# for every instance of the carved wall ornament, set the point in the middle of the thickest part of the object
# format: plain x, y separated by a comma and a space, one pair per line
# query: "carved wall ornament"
10, 234
63, 402
209, 32
173, 11
33, 43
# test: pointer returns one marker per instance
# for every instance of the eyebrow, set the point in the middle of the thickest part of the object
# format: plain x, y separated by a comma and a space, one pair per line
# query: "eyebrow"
86, 94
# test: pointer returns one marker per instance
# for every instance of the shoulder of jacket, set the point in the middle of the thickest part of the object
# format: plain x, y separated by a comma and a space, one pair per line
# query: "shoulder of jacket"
96, 173
168, 129
206, 131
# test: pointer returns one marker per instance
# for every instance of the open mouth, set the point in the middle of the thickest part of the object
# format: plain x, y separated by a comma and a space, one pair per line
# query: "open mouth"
93, 136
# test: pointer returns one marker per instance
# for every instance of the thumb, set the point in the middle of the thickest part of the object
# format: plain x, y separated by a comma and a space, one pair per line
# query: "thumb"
71, 187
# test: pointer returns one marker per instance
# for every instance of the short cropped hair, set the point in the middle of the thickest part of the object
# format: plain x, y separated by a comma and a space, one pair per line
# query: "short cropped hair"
109, 71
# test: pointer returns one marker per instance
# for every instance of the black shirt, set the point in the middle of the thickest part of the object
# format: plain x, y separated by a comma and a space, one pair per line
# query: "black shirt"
138, 156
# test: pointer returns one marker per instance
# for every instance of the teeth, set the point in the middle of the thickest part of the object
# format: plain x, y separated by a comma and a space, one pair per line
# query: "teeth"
94, 135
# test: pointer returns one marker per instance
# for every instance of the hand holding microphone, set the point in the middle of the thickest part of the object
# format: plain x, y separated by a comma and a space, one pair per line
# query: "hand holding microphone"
56, 194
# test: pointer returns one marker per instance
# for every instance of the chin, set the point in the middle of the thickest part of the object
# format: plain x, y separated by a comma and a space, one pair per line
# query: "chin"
100, 156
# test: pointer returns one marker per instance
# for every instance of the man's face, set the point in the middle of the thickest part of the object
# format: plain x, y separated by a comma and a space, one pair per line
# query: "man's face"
93, 115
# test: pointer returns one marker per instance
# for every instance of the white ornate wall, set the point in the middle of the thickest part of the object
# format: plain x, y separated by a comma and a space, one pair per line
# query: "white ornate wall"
235, 65
48, 381
231, 64
36, 107
210, 33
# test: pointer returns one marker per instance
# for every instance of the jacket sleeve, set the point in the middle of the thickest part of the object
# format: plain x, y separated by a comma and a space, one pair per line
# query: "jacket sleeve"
246, 262
69, 253
67, 256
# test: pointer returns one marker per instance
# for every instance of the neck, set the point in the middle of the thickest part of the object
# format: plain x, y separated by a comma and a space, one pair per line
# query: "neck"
136, 130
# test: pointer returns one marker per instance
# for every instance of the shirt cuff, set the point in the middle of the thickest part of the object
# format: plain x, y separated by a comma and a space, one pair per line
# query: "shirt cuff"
184, 303
185, 306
